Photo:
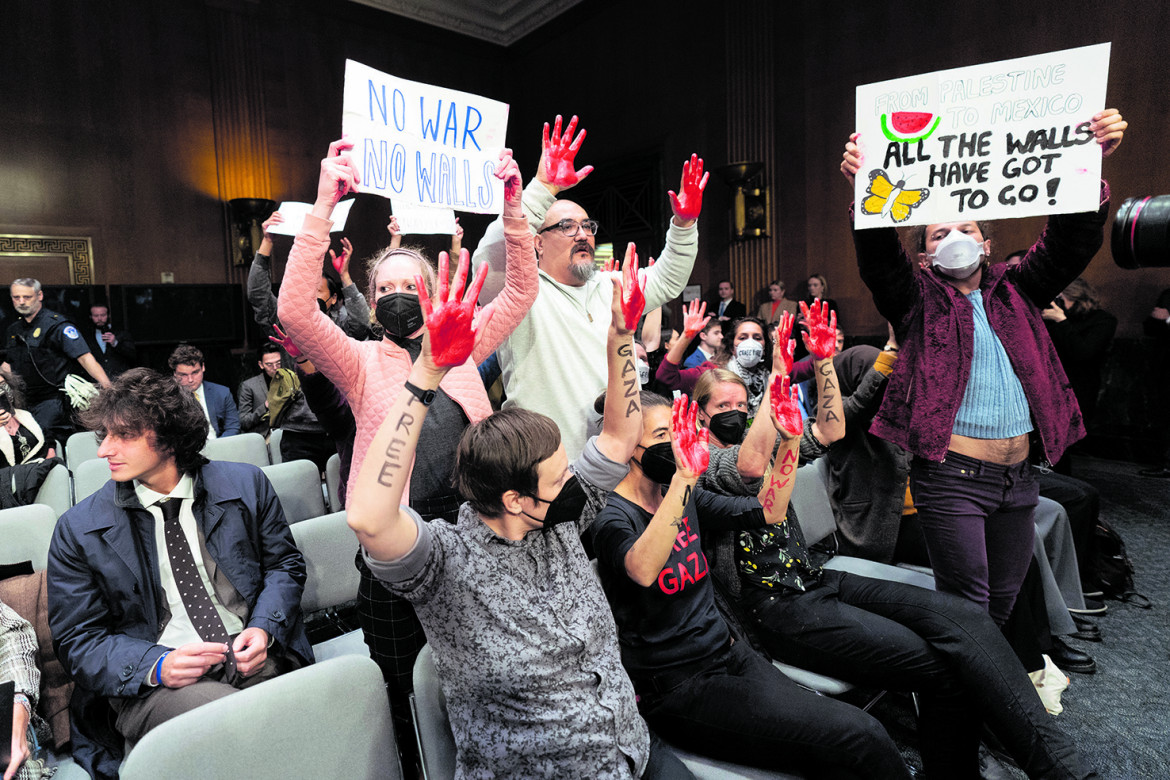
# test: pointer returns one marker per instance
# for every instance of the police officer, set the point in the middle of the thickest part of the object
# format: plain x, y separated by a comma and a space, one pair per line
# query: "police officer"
43, 348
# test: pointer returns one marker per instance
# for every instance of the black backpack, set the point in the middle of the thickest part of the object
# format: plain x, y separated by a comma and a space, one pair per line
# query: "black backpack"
1112, 566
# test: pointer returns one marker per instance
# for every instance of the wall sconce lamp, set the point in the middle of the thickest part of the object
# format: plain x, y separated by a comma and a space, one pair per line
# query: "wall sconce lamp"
247, 220
751, 211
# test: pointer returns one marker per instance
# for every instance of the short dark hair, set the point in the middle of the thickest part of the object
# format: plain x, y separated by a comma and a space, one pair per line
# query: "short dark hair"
502, 453
267, 349
185, 355
144, 402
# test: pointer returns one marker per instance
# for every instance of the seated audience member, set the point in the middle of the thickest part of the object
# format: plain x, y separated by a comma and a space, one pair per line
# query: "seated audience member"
725, 307
21, 439
43, 348
369, 373
818, 289
113, 350
337, 296
771, 309
18, 663
253, 395
996, 381
561, 344
1157, 327
534, 685
219, 409
210, 603
695, 321
745, 345
710, 340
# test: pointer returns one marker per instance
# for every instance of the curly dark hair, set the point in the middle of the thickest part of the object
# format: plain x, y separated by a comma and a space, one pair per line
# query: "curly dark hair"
729, 341
13, 388
185, 355
143, 401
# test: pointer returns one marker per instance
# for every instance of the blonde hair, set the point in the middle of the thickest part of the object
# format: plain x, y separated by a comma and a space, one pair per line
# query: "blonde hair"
416, 253
712, 378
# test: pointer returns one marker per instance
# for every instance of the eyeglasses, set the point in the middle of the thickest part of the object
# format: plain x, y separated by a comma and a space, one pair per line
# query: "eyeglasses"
569, 227
271, 365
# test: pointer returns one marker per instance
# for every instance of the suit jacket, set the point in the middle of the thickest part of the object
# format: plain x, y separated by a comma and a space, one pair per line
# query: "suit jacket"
253, 395
735, 309
116, 359
107, 607
221, 409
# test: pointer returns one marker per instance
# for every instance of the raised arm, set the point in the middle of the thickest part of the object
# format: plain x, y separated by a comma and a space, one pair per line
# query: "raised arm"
755, 454
260, 296
373, 508
788, 419
695, 318
333, 353
821, 343
645, 559
652, 330
666, 280
357, 322
621, 427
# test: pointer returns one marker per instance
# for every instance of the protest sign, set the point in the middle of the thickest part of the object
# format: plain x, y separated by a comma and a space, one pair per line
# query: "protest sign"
418, 220
294, 216
1005, 139
424, 144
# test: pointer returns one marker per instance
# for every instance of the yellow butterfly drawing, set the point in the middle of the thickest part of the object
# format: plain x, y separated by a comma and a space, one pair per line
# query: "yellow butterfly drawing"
884, 197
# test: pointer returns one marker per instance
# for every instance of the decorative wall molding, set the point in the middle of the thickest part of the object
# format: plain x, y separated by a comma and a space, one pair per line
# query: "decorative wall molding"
502, 23
76, 250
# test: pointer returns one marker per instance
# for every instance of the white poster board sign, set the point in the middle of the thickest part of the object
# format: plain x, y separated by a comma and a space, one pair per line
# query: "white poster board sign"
424, 144
294, 217
415, 220
1004, 139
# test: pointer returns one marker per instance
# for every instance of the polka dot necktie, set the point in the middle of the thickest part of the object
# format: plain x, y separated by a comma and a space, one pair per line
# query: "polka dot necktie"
208, 624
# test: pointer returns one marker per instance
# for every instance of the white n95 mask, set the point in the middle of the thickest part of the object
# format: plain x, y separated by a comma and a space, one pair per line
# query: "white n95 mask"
957, 255
749, 353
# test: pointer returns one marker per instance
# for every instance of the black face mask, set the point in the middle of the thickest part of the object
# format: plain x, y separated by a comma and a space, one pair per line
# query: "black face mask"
400, 314
566, 507
658, 463
728, 427
324, 307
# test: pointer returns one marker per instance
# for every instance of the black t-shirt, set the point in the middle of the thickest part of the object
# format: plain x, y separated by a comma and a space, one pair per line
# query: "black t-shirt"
434, 463
43, 352
675, 620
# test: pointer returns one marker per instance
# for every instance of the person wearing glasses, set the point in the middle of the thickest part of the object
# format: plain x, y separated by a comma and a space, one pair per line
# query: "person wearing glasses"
554, 361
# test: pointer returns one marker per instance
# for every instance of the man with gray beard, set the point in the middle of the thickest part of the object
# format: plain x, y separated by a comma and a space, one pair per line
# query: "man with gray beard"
554, 362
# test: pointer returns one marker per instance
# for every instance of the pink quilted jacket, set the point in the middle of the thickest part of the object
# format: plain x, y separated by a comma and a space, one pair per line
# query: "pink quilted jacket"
371, 373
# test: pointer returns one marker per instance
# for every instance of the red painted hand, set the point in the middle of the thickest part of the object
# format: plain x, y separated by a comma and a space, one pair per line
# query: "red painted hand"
633, 288
339, 174
693, 319
341, 263
786, 413
508, 171
449, 320
688, 205
784, 351
559, 154
691, 452
286, 343
821, 339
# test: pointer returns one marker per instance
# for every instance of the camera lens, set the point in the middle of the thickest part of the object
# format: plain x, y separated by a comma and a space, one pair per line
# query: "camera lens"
1141, 233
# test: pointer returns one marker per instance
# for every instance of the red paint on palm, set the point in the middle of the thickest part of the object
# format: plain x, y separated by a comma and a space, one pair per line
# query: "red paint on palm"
508, 171
560, 154
786, 413
633, 288
690, 444
694, 320
785, 344
451, 317
689, 203
285, 342
821, 339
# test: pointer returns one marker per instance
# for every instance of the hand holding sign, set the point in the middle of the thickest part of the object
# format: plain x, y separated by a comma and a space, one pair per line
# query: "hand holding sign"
688, 205
1108, 128
558, 156
339, 176
509, 172
853, 158
784, 351
691, 452
821, 339
448, 319
693, 319
273, 220
786, 413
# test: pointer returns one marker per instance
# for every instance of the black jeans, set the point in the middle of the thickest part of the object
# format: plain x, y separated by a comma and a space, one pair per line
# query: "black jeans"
741, 709
900, 637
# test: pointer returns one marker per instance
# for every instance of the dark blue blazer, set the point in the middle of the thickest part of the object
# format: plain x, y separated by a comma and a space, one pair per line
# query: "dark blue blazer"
107, 607
221, 409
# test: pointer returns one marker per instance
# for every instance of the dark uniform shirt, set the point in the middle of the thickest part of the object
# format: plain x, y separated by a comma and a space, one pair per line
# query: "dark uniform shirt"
43, 352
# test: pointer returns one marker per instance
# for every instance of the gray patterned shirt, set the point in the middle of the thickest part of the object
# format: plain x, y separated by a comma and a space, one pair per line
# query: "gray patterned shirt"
525, 643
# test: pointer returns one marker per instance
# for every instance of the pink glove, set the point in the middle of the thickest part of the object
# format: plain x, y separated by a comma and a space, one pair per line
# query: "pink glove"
449, 320
559, 155
691, 452
688, 205
786, 413
286, 343
821, 339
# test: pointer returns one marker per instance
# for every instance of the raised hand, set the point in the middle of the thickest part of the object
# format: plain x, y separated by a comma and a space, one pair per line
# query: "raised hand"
339, 174
509, 172
274, 219
448, 319
633, 288
392, 226
693, 319
852, 159
341, 264
821, 339
689, 203
691, 452
1108, 127
786, 413
784, 350
558, 156
285, 343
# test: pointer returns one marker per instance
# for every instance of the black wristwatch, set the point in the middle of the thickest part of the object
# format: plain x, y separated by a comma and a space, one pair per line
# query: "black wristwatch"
427, 397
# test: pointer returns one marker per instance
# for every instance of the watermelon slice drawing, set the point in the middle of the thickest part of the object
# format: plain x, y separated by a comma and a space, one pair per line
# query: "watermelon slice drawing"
909, 126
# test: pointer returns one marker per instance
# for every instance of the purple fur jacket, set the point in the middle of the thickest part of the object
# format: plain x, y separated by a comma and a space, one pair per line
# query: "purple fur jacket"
935, 327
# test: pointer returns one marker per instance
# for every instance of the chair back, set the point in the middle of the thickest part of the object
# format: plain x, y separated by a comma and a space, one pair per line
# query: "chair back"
57, 490
274, 437
333, 482
88, 477
328, 546
241, 448
25, 533
298, 486
80, 447
432, 727
810, 499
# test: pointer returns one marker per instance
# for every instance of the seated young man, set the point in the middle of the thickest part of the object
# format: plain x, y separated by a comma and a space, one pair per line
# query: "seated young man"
523, 639
177, 583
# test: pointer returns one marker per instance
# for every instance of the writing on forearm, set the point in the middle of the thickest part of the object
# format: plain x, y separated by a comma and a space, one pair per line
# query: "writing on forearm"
394, 451
629, 378
779, 478
827, 392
